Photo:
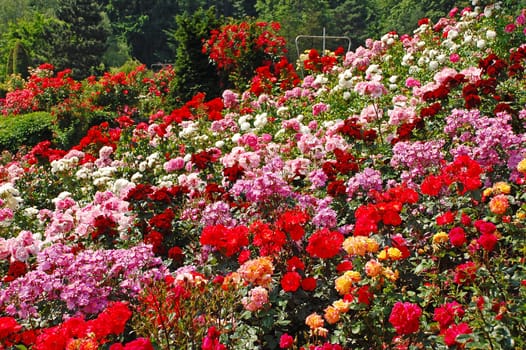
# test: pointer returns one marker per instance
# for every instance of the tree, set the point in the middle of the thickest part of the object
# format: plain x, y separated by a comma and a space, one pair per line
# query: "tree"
82, 41
35, 34
194, 73
244, 8
297, 17
18, 61
144, 24
350, 18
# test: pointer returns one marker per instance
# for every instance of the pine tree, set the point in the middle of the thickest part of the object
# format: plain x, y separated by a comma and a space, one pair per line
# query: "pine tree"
194, 71
19, 60
349, 18
82, 41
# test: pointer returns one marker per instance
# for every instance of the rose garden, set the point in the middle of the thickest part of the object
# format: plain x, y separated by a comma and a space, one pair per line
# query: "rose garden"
373, 199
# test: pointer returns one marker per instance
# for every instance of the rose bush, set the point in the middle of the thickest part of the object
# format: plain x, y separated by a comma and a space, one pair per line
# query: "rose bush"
378, 203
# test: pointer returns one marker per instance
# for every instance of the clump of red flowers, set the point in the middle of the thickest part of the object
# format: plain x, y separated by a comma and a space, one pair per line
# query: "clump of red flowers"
227, 241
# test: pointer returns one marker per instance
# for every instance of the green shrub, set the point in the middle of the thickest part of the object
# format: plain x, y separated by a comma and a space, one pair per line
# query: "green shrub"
72, 120
25, 130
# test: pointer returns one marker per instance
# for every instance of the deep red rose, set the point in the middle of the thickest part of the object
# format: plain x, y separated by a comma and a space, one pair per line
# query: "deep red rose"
308, 284
445, 315
457, 236
16, 269
451, 334
487, 241
291, 281
405, 317
324, 243
176, 254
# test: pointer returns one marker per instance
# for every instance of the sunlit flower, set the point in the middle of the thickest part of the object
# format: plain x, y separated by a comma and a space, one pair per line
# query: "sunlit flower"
257, 271
314, 321
499, 204
440, 238
331, 315
373, 268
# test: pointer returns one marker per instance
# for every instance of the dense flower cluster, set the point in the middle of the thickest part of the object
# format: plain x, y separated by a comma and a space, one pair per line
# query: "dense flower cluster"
377, 203
81, 282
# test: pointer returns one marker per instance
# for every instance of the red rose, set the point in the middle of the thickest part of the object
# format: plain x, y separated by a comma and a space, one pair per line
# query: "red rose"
286, 341
139, 344
399, 242
445, 315
291, 281
8, 326
485, 227
344, 266
451, 334
431, 185
487, 241
446, 218
294, 264
324, 243
457, 236
465, 273
308, 284
364, 295
405, 317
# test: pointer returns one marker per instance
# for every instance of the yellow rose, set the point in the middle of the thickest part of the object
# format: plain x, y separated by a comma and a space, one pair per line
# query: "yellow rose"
382, 255
354, 276
332, 314
372, 245
390, 275
521, 167
314, 321
394, 253
502, 187
373, 268
440, 237
341, 305
343, 285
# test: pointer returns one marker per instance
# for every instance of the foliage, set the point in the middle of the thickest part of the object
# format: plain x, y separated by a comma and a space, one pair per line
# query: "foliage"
82, 40
376, 203
18, 62
237, 49
34, 34
26, 130
195, 73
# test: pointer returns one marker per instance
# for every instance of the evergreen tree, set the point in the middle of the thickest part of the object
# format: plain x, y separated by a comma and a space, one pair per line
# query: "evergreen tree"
244, 8
194, 71
144, 24
19, 60
297, 17
35, 34
81, 43
350, 18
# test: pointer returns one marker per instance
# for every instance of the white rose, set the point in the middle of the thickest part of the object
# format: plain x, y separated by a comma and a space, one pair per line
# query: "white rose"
491, 35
